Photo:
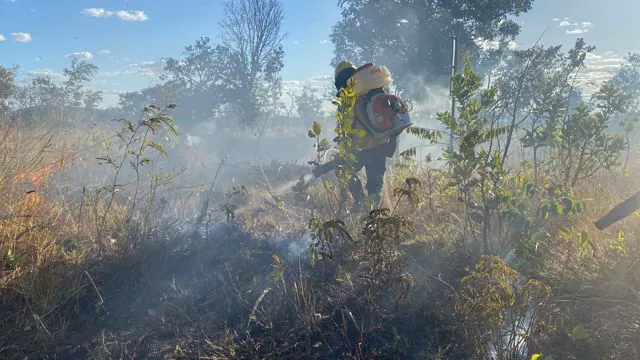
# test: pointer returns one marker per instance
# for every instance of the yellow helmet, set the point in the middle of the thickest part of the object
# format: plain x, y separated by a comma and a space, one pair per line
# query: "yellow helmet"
343, 65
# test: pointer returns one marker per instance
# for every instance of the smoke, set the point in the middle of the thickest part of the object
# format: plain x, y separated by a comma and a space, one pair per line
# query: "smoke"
424, 113
297, 247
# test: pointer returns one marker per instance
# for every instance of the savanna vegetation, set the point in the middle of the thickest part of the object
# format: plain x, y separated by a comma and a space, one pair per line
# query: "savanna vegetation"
118, 241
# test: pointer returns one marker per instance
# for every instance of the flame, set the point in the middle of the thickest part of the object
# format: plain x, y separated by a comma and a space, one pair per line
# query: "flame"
38, 177
32, 200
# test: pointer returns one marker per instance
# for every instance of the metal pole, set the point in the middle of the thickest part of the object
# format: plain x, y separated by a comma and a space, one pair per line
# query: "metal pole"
454, 69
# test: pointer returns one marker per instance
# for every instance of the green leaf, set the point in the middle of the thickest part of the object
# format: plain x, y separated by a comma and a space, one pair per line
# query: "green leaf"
568, 205
578, 333
584, 237
536, 356
528, 190
359, 133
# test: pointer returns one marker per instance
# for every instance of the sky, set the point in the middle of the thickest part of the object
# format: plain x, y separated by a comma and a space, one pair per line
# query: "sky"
127, 38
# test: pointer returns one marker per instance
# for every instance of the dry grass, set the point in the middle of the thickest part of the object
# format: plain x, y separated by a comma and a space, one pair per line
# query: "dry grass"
391, 292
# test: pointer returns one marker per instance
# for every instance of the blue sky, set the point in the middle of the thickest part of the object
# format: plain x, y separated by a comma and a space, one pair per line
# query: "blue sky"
125, 38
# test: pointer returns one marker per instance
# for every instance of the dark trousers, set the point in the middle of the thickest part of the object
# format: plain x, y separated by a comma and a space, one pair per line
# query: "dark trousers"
374, 162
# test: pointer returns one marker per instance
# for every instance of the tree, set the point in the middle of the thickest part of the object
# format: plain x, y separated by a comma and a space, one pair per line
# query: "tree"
202, 82
67, 100
253, 35
203, 69
628, 80
72, 88
132, 103
414, 36
537, 87
309, 105
7, 87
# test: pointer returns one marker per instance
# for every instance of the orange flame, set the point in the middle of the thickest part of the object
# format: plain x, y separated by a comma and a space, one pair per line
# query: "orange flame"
39, 176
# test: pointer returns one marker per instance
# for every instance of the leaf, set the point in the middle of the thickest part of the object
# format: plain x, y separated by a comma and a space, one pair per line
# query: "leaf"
156, 146
536, 356
317, 128
409, 153
528, 190
578, 333
568, 205
359, 133
584, 237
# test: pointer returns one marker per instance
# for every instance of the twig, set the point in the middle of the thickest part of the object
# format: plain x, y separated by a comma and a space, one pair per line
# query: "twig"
95, 287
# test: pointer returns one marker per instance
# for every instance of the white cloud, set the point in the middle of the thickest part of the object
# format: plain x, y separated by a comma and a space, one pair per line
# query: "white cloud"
576, 31
296, 42
109, 73
55, 76
485, 44
2, 38
97, 12
132, 15
107, 52
121, 14
21, 37
319, 83
598, 69
575, 28
494, 44
151, 69
324, 41
84, 55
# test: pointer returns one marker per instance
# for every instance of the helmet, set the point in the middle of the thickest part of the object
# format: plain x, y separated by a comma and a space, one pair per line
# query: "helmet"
343, 65
343, 72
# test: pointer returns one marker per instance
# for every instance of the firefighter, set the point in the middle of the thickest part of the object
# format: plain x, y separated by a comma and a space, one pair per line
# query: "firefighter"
371, 157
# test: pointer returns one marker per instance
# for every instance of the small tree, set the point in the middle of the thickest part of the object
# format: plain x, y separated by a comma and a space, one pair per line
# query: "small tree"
476, 165
309, 105
8, 87
72, 90
586, 145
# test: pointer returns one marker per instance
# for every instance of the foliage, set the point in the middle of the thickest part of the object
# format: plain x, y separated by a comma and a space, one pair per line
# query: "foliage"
308, 104
323, 234
65, 99
345, 155
586, 147
137, 148
241, 73
7, 87
489, 294
627, 78
475, 170
205, 72
416, 35
254, 39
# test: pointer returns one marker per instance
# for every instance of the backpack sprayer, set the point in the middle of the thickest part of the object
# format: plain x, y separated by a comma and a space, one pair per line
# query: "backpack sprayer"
380, 114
